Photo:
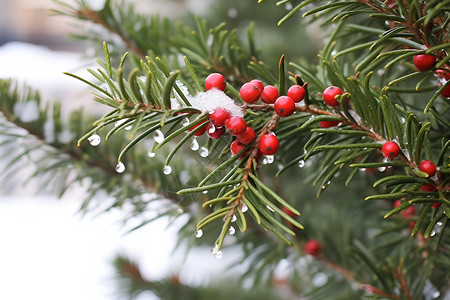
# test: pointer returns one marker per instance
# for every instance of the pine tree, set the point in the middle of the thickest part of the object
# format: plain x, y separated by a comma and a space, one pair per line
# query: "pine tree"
354, 139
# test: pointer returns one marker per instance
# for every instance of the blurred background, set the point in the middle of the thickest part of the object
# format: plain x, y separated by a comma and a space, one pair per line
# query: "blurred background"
49, 251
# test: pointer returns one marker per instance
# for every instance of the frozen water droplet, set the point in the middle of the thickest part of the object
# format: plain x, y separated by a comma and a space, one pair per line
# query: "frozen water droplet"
244, 208
269, 208
218, 255
301, 163
119, 122
199, 233
205, 192
432, 233
204, 152
320, 279
167, 170
158, 136
211, 128
194, 145
150, 153
233, 219
94, 140
231, 230
185, 121
214, 250
120, 167
381, 169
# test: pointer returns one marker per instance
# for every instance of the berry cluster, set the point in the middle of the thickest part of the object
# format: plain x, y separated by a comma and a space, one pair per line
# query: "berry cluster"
235, 125
426, 62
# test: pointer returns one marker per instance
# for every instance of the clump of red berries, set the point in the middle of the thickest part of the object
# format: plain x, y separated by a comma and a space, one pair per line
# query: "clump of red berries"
390, 150
215, 80
424, 62
313, 247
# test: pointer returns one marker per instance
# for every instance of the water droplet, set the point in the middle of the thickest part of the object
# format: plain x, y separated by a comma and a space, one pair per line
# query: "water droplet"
436, 294
119, 122
211, 128
244, 208
270, 159
158, 136
231, 230
185, 121
269, 208
432, 233
288, 6
362, 169
204, 152
199, 233
167, 170
205, 192
320, 279
218, 255
381, 169
194, 145
128, 127
264, 161
150, 153
120, 167
94, 140
301, 163
233, 219
215, 249
439, 223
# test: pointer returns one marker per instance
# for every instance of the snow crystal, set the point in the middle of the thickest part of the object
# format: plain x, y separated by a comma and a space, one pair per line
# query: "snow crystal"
27, 111
214, 99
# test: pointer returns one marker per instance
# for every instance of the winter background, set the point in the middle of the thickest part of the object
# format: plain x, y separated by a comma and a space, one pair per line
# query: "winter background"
48, 250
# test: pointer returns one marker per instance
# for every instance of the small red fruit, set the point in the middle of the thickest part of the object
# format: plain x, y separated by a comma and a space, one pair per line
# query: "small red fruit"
296, 93
329, 95
424, 62
410, 211
446, 92
217, 133
247, 136
390, 149
236, 147
313, 247
201, 131
269, 94
284, 106
215, 80
250, 92
443, 74
436, 205
218, 117
289, 212
428, 167
236, 125
328, 124
268, 144
258, 84
428, 188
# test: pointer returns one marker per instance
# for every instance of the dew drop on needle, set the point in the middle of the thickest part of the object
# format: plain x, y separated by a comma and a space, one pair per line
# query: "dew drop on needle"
120, 167
94, 140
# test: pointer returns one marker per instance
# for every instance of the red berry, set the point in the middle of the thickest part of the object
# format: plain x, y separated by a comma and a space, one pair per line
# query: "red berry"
215, 80
217, 133
390, 149
247, 136
443, 74
258, 84
446, 92
201, 131
268, 144
269, 94
329, 95
288, 212
436, 205
236, 147
218, 117
328, 124
410, 211
250, 92
236, 125
428, 188
428, 167
296, 93
284, 106
424, 62
313, 247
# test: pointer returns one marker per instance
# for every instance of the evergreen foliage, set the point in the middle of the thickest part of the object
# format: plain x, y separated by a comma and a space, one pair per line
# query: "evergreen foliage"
153, 89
